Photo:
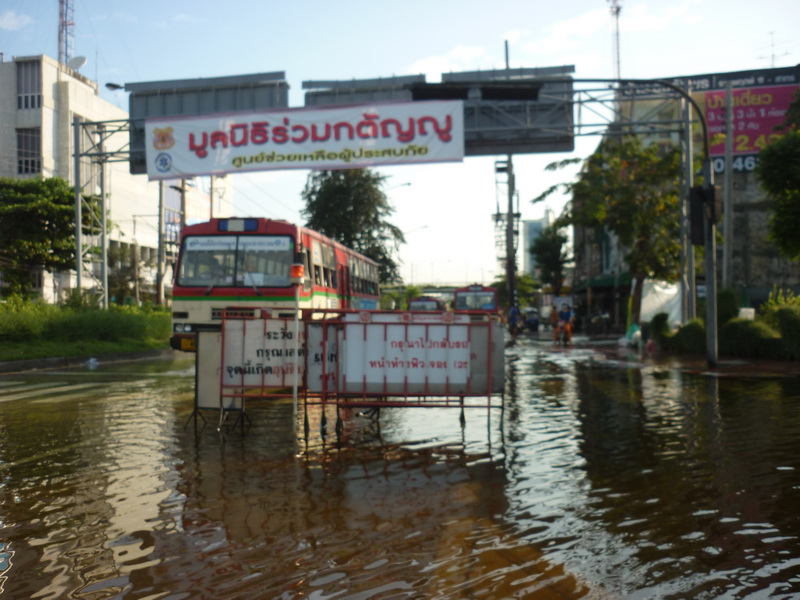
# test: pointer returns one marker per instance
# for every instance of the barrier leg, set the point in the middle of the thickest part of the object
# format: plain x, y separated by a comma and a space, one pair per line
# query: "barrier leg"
339, 422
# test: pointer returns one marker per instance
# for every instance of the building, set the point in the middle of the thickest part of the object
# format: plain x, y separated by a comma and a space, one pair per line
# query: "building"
754, 267
530, 231
40, 100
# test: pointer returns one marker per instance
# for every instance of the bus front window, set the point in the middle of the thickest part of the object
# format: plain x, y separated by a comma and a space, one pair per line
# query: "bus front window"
264, 261
207, 261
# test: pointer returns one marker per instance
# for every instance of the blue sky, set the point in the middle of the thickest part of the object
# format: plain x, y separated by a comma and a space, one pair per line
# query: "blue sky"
446, 209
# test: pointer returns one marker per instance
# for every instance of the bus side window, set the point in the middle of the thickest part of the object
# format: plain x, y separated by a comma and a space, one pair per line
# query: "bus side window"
317, 275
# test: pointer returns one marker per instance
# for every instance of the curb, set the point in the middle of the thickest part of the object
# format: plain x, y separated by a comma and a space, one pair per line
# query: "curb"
60, 362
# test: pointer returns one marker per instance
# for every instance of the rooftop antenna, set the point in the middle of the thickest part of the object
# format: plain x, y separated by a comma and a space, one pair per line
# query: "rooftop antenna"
772, 50
66, 30
616, 7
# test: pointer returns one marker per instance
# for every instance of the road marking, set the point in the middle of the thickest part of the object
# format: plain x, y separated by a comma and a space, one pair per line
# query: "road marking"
40, 389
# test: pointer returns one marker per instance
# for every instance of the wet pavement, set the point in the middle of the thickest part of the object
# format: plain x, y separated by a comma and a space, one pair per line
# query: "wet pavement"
609, 473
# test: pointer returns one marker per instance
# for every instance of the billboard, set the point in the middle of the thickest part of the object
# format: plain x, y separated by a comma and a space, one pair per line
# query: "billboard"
321, 138
760, 101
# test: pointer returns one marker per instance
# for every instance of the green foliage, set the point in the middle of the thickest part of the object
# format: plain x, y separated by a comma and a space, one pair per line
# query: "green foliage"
551, 257
22, 319
789, 323
526, 290
659, 326
29, 321
82, 300
411, 292
390, 299
633, 191
748, 338
778, 298
727, 306
350, 207
778, 169
689, 339
37, 230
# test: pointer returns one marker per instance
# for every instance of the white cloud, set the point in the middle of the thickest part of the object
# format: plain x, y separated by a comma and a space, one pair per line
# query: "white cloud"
460, 58
12, 21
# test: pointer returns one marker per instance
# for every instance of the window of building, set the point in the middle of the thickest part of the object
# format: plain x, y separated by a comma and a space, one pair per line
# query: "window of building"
29, 151
29, 84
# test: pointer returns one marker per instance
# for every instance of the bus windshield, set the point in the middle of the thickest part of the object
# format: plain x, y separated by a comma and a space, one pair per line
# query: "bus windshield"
236, 261
477, 300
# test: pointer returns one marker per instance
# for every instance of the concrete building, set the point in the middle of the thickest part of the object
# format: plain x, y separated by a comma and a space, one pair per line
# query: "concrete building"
39, 102
531, 230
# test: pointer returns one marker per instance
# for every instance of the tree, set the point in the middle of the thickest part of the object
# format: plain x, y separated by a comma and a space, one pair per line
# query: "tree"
526, 290
779, 171
551, 257
350, 207
37, 230
632, 190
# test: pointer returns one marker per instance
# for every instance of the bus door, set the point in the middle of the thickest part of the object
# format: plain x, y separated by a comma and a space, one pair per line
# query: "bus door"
344, 286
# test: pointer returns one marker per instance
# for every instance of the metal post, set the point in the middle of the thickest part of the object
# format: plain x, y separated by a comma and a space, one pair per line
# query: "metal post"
103, 219
727, 227
711, 269
76, 124
689, 310
161, 248
183, 204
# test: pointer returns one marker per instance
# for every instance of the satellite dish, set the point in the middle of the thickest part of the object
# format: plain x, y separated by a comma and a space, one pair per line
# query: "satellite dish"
76, 62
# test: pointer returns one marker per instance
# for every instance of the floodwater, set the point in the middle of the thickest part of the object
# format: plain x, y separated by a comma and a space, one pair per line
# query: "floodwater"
606, 476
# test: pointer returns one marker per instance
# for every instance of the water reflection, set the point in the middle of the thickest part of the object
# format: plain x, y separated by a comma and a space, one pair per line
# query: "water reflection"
607, 476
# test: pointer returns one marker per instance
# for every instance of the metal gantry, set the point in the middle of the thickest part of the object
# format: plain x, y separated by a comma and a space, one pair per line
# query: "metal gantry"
594, 109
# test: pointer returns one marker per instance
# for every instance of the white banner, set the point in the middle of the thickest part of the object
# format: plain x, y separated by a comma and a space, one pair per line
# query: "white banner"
326, 138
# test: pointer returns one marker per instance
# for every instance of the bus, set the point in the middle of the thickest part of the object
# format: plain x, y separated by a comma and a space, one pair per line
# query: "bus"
476, 297
427, 303
245, 263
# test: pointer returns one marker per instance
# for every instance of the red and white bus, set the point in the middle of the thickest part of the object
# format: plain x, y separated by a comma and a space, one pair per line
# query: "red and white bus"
427, 303
476, 297
245, 263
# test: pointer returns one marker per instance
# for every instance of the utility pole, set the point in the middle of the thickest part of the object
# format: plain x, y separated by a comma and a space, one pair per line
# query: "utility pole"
103, 219
615, 10
76, 126
511, 255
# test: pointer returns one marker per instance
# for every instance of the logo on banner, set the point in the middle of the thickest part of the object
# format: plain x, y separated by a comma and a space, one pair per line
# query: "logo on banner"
163, 162
163, 138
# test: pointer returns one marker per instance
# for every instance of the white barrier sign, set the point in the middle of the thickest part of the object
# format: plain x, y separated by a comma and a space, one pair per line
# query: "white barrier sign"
407, 353
261, 353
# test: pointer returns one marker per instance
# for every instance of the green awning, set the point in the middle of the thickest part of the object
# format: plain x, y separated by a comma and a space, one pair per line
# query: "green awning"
605, 281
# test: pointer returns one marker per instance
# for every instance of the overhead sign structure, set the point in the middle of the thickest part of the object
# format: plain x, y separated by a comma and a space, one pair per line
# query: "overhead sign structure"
761, 99
326, 138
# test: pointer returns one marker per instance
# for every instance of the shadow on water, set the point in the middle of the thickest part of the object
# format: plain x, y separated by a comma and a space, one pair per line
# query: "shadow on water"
607, 476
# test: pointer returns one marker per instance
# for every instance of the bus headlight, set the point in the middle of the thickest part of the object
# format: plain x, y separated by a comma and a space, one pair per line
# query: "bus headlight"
178, 327
187, 328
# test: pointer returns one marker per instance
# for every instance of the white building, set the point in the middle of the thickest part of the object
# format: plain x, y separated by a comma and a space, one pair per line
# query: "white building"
39, 101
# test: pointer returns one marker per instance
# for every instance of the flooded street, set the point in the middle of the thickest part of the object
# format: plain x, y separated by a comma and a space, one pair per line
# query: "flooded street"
608, 475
